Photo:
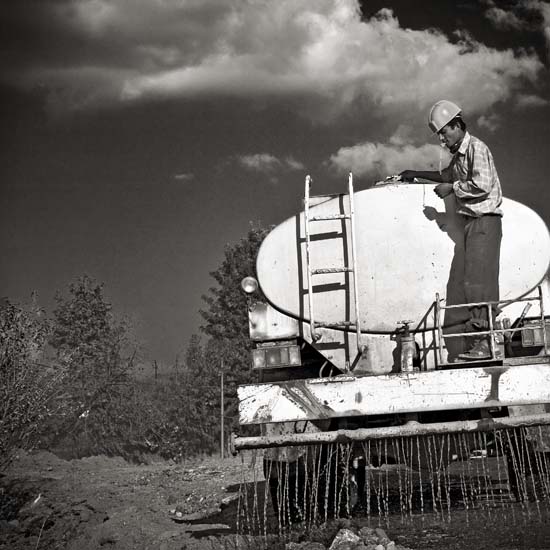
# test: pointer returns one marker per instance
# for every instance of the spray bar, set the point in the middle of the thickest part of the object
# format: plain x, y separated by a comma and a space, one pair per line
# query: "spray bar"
411, 428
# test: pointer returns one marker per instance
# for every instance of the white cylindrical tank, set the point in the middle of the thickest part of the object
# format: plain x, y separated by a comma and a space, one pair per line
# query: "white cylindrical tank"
409, 247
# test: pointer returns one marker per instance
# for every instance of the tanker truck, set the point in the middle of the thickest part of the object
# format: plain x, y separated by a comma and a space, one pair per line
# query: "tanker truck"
357, 341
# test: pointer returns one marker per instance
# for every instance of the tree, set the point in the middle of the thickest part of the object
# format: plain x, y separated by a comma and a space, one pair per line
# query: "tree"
93, 345
201, 392
226, 315
86, 333
28, 384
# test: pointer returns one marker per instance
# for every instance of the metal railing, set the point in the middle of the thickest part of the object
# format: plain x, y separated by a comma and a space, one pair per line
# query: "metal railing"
492, 331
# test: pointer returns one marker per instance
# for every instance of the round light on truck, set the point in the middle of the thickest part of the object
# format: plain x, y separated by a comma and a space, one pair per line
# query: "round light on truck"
249, 285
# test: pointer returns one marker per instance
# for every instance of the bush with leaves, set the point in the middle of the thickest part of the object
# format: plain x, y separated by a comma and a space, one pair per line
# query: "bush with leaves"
99, 406
184, 408
199, 393
29, 383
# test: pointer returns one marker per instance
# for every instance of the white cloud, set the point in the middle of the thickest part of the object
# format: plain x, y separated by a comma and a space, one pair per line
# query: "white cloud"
184, 177
378, 160
403, 135
533, 15
318, 54
267, 163
543, 8
529, 100
503, 19
294, 164
490, 122
260, 162
92, 15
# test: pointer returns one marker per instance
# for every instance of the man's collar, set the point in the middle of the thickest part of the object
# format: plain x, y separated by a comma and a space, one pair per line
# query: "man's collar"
464, 144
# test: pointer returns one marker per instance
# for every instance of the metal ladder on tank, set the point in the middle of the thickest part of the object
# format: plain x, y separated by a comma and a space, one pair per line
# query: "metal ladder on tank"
352, 270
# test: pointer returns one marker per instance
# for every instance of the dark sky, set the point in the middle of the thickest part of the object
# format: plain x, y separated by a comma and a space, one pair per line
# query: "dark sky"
138, 138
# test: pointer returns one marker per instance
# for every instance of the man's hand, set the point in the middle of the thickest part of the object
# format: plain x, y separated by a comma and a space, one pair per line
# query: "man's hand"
408, 175
443, 190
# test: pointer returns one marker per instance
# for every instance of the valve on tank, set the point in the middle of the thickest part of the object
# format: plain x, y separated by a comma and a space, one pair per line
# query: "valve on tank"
407, 345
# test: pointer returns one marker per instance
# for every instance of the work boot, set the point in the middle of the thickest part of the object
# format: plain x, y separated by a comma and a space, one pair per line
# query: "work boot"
479, 351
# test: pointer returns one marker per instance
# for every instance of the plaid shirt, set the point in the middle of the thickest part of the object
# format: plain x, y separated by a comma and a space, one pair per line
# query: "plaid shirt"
476, 184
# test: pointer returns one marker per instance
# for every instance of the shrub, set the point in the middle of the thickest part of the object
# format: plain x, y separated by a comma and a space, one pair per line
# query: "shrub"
29, 383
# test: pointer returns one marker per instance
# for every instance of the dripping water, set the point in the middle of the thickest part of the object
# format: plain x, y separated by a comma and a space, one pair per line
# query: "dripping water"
496, 475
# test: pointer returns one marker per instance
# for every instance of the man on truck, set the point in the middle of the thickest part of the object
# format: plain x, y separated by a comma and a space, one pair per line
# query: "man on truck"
472, 177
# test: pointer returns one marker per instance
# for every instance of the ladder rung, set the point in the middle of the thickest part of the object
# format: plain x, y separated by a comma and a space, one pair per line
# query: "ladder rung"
340, 324
325, 270
329, 217
328, 195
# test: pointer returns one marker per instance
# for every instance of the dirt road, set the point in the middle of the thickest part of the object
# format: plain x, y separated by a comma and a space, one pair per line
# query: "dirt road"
99, 502
102, 502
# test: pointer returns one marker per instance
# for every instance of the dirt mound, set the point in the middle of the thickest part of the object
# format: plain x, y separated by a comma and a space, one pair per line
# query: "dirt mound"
100, 462
36, 461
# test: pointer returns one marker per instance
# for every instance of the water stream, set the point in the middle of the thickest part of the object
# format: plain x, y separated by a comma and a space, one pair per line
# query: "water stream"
420, 484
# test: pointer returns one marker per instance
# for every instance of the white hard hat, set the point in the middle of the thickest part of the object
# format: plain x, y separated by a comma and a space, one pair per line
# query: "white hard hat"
441, 114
